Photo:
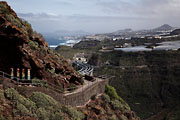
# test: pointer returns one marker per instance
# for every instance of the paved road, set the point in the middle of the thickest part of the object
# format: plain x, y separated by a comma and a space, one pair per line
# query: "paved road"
84, 69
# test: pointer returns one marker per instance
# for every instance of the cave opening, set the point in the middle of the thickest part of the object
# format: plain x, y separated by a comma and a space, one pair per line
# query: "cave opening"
10, 55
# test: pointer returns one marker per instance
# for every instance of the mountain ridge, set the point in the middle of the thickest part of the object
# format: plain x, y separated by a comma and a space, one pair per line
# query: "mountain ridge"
164, 27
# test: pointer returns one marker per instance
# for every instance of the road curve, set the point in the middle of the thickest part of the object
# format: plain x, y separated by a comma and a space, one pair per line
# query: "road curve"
83, 68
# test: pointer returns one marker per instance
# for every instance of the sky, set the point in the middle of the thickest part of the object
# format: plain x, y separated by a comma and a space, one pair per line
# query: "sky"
97, 16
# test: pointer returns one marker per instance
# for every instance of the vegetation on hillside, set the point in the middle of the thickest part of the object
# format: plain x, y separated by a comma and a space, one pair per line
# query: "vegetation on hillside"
43, 107
45, 64
13, 19
148, 81
67, 51
33, 52
38, 106
108, 106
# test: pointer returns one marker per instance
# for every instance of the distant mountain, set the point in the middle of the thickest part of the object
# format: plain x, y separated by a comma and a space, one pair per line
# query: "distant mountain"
133, 33
120, 32
125, 30
164, 27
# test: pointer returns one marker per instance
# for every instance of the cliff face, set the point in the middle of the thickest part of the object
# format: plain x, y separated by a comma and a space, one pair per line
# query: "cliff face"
148, 81
21, 47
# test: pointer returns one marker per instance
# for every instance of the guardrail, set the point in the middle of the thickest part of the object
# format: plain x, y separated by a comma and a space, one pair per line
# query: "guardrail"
5, 75
54, 87
19, 81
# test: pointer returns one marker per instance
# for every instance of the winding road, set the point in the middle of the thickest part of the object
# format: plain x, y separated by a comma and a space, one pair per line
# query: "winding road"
83, 68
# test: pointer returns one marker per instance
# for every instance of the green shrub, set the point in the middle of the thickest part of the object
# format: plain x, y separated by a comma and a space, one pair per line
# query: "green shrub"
1, 109
39, 105
39, 82
17, 22
49, 113
93, 97
1, 95
43, 100
57, 116
52, 71
28, 25
122, 117
33, 45
106, 98
2, 117
9, 118
42, 114
18, 100
113, 118
1, 80
4, 9
73, 113
11, 18
111, 92
22, 110
22, 90
116, 104
43, 51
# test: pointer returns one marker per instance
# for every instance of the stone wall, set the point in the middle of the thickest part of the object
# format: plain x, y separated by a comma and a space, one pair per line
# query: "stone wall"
77, 99
83, 97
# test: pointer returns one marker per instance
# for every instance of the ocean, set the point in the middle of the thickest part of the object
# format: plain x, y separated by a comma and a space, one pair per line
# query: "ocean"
63, 42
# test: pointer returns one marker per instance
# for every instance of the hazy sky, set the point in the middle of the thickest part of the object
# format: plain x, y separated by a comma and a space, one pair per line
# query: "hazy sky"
97, 16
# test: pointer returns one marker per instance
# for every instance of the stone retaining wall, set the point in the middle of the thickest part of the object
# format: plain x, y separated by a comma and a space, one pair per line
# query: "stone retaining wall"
81, 98
77, 99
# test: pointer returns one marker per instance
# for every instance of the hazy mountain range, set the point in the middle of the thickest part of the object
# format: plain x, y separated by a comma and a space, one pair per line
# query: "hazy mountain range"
164, 27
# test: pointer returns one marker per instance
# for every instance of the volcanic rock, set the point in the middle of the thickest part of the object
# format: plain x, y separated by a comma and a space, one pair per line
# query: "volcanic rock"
21, 47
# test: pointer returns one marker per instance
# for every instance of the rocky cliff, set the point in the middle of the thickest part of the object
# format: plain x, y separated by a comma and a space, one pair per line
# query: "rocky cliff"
148, 81
21, 47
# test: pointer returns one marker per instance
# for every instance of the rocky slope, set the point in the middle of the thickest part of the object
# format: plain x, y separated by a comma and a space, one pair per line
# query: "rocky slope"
21, 47
108, 106
14, 105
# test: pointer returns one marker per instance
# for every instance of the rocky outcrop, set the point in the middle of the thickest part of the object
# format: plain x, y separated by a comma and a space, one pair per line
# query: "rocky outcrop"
21, 47
100, 109
108, 106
